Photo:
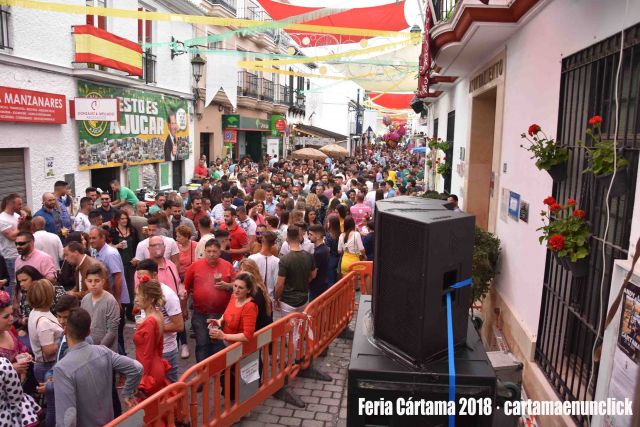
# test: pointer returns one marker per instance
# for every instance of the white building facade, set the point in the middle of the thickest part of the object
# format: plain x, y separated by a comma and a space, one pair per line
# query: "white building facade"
552, 63
36, 155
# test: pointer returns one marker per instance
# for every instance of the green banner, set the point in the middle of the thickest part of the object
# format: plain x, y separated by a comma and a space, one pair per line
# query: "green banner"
153, 128
236, 121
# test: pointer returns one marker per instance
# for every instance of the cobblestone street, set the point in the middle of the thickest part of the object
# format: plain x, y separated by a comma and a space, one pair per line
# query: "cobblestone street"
326, 402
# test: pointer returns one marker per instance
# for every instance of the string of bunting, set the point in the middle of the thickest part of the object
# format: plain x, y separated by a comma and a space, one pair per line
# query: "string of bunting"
194, 19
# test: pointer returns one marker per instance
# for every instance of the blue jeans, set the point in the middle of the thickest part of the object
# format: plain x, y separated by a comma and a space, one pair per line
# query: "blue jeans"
11, 268
40, 370
205, 347
172, 358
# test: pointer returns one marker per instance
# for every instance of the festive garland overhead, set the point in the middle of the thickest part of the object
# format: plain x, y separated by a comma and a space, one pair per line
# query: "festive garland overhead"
195, 19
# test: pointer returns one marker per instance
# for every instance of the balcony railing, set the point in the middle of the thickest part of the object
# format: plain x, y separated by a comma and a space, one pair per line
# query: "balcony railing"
148, 67
444, 9
281, 95
266, 90
230, 5
4, 29
247, 84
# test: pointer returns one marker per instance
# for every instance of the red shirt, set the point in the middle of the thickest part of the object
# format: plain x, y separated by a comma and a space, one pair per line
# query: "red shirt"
200, 279
237, 238
240, 319
195, 217
200, 170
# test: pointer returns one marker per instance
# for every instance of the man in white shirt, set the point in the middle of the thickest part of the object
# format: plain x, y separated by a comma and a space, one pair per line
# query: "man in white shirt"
305, 243
205, 227
46, 242
246, 223
9, 217
267, 263
370, 198
81, 222
172, 314
171, 250
217, 213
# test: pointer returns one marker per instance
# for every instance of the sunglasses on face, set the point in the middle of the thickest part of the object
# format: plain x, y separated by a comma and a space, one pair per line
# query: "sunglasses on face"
21, 243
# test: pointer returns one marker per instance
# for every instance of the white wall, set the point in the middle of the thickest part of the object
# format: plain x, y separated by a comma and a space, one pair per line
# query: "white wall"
532, 85
43, 140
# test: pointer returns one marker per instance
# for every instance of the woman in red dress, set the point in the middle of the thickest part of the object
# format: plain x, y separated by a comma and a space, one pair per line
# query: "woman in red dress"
148, 337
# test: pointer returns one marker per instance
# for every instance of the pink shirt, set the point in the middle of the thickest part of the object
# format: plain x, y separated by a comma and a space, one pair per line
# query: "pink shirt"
41, 262
358, 212
167, 274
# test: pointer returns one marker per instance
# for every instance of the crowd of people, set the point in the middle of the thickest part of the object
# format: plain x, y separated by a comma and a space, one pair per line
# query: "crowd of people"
255, 241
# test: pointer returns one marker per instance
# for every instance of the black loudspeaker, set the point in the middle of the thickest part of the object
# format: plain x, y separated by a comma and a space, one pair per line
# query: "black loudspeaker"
376, 377
422, 248
417, 105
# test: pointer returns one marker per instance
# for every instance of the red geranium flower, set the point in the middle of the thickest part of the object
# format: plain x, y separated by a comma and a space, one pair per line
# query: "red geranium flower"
549, 200
556, 242
555, 207
571, 202
595, 120
145, 279
579, 213
533, 129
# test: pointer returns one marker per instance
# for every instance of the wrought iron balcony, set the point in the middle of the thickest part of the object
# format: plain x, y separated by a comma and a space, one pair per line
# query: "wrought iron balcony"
266, 90
444, 8
230, 5
247, 84
148, 67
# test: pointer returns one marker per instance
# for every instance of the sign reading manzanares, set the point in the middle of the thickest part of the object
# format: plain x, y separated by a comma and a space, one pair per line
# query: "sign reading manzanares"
152, 128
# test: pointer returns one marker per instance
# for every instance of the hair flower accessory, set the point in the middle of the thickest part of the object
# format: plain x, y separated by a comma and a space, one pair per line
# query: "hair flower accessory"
145, 279
5, 299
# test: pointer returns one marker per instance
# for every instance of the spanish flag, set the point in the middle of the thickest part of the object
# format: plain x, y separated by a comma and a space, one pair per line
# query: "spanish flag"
97, 46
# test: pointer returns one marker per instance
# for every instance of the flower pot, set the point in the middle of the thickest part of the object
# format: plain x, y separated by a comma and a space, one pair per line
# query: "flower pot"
619, 186
579, 268
558, 172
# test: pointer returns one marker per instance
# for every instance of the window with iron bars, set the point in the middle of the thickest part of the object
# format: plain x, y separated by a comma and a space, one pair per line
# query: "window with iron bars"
4, 28
571, 312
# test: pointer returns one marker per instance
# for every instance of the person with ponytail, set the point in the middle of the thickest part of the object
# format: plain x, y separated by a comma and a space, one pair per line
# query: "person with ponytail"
148, 337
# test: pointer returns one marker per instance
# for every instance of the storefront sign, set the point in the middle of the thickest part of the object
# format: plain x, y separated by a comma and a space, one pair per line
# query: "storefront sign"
494, 71
280, 125
30, 106
230, 136
312, 140
152, 128
96, 109
236, 121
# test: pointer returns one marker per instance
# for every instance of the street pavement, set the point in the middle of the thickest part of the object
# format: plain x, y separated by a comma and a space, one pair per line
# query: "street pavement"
326, 401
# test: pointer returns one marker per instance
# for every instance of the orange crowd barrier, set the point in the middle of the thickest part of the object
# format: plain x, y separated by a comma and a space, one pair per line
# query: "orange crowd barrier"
236, 370
225, 387
364, 269
328, 315
164, 408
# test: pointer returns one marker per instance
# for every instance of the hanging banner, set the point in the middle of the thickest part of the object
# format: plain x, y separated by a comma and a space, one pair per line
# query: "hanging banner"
152, 128
424, 73
230, 136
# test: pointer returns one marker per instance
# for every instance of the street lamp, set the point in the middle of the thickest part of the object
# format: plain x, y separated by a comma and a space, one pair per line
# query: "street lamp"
197, 64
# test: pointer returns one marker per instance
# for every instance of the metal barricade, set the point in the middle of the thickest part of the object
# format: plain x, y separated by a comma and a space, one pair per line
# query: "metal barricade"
274, 348
364, 269
164, 408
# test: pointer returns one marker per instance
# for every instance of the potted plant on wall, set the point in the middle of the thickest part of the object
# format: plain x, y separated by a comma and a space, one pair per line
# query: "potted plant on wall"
602, 156
567, 235
549, 155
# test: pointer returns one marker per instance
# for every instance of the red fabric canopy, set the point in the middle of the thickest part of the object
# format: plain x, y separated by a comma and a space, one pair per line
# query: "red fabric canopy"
387, 17
392, 101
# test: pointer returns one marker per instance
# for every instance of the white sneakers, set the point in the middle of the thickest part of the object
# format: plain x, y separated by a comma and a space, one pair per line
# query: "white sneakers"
184, 351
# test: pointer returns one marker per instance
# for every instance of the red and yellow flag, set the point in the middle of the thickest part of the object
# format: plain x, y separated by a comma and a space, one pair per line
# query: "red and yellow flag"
98, 46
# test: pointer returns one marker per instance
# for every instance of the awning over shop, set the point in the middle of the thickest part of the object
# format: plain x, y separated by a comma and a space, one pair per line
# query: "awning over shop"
307, 130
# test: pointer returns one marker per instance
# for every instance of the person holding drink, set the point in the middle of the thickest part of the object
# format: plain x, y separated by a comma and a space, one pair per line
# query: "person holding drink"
209, 280
11, 347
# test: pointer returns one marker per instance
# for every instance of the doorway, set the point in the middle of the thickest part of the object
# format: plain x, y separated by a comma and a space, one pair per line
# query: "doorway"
254, 145
178, 173
205, 139
100, 178
481, 178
